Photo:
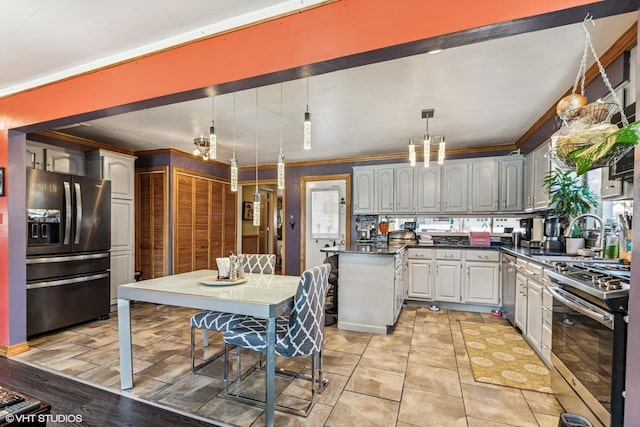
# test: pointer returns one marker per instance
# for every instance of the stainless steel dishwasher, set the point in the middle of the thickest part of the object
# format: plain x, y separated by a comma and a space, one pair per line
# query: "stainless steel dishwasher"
508, 287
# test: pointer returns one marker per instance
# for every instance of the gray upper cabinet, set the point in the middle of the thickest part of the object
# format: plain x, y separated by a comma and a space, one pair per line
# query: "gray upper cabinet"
384, 189
404, 189
363, 191
542, 166
455, 186
54, 158
428, 191
511, 184
537, 165
484, 186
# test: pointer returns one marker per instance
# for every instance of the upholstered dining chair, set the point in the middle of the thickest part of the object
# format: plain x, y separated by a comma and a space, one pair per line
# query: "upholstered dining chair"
301, 333
219, 321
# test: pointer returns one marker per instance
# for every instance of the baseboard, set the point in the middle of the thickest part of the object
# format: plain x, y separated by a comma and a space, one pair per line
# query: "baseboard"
12, 350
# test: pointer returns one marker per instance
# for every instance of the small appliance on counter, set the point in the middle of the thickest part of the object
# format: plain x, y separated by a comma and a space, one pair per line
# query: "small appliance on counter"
553, 230
366, 228
401, 237
531, 233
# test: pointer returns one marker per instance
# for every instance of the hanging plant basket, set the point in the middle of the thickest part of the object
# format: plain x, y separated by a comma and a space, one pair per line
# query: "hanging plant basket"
587, 138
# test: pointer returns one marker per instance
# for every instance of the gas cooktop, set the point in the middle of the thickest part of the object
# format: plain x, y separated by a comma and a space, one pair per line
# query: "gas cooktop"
604, 281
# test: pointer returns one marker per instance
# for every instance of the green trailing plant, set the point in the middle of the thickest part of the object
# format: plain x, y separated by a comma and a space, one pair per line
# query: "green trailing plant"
568, 197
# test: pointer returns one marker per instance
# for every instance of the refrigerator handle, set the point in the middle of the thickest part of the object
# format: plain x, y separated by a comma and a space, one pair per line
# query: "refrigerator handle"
67, 212
78, 212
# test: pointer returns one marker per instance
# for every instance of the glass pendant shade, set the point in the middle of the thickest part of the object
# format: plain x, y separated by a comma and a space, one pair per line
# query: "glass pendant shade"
213, 142
441, 148
307, 131
412, 153
280, 171
256, 209
234, 174
426, 150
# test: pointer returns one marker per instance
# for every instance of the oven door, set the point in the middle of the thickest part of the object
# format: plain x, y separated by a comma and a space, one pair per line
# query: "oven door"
582, 348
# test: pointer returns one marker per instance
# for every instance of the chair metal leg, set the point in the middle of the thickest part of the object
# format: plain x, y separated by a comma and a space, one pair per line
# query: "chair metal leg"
195, 367
316, 380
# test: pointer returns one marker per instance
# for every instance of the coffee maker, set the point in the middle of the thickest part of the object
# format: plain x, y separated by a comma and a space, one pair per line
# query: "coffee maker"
553, 230
526, 224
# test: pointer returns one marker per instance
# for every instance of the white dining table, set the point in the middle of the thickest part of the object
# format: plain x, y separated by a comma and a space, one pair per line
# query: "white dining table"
264, 296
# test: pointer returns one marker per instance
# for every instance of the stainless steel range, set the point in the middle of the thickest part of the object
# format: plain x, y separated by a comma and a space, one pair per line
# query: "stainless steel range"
589, 338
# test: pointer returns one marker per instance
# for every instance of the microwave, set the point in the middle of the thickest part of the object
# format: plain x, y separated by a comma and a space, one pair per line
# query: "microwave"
623, 168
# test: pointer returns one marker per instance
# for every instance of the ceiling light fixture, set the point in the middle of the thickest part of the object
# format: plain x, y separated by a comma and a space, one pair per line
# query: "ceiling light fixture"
281, 156
256, 195
213, 139
202, 147
234, 162
307, 124
426, 142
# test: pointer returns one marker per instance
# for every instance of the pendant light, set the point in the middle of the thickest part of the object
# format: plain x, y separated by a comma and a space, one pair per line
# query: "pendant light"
412, 152
256, 195
426, 143
213, 139
307, 124
441, 148
281, 156
234, 162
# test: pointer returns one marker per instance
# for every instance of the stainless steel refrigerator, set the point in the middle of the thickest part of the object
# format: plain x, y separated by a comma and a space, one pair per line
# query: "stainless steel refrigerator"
68, 243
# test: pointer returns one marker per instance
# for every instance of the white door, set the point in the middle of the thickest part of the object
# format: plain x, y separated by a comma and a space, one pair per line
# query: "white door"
312, 255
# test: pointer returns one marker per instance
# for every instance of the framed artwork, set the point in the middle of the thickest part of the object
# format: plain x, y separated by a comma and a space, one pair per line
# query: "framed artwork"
247, 210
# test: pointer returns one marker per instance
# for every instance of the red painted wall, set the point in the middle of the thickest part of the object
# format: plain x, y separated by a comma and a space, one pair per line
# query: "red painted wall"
330, 31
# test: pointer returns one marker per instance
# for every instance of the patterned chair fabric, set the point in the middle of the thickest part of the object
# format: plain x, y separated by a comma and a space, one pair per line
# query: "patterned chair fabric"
304, 331
259, 263
216, 320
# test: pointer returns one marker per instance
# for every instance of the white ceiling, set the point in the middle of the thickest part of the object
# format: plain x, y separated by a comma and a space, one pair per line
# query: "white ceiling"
487, 93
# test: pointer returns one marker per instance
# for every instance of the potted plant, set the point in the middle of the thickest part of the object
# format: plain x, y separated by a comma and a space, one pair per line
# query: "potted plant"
568, 198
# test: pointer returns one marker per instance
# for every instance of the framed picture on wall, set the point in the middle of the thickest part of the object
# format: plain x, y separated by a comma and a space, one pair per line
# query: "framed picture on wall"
247, 210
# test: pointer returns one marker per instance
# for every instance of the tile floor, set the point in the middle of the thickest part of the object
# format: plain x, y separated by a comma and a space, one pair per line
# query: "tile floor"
418, 376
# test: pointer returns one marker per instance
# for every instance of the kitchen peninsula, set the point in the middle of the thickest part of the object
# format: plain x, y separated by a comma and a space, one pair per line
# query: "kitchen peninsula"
371, 291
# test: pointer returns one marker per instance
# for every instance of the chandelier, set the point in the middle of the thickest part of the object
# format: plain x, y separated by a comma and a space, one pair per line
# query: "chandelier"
203, 147
425, 143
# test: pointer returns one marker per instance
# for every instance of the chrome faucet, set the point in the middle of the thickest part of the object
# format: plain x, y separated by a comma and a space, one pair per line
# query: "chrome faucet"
600, 241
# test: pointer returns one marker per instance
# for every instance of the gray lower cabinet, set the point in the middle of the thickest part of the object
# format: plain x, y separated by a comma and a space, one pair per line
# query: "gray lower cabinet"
420, 274
482, 280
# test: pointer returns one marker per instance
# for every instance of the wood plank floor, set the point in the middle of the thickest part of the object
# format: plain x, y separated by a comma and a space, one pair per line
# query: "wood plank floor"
96, 406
